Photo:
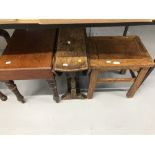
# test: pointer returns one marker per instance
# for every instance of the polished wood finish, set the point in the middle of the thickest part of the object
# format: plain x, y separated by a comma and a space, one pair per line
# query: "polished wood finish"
117, 53
10, 84
29, 55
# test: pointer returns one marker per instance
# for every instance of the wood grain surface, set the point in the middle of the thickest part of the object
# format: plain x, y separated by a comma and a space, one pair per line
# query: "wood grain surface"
118, 51
70, 21
71, 50
28, 55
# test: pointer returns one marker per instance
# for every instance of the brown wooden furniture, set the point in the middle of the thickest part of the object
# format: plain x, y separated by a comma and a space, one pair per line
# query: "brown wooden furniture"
71, 50
9, 83
116, 53
70, 21
29, 55
71, 58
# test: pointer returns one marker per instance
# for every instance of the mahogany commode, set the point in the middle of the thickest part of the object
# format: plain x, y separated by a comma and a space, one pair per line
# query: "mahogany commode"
29, 55
9, 83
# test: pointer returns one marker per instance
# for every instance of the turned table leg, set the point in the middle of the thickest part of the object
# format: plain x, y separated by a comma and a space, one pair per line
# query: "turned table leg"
12, 86
53, 86
5, 34
3, 97
73, 88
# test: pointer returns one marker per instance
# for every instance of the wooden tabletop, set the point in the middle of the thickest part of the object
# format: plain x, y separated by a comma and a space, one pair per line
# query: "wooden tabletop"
29, 49
71, 21
71, 50
117, 52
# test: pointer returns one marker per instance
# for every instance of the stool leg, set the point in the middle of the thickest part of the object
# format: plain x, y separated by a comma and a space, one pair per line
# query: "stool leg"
53, 86
3, 97
12, 86
92, 84
149, 72
137, 83
123, 71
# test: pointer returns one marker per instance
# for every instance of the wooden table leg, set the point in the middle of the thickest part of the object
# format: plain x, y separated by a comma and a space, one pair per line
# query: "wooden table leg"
3, 97
92, 84
5, 34
123, 71
148, 73
137, 82
11, 85
73, 88
53, 86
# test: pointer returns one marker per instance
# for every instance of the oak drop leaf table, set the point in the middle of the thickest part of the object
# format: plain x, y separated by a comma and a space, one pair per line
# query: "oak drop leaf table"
71, 58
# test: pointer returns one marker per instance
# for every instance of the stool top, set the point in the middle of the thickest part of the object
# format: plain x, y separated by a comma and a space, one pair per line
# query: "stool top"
29, 49
71, 50
110, 51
